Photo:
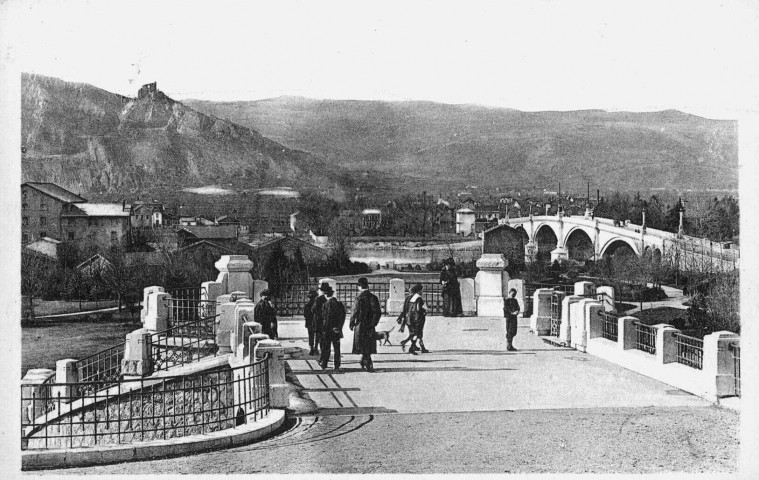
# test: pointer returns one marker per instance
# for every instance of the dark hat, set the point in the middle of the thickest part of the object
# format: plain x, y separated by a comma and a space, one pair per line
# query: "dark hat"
363, 282
324, 286
416, 288
265, 293
312, 293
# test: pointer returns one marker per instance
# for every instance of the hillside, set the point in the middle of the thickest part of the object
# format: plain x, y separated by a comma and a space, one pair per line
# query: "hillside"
98, 143
451, 146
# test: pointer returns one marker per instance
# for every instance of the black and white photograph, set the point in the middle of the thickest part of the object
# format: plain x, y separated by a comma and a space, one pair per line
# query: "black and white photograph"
334, 237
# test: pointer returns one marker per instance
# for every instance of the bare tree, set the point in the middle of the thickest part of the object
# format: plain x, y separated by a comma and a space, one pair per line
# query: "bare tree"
36, 270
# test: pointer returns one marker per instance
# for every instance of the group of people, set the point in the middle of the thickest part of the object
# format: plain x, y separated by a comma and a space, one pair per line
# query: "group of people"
325, 318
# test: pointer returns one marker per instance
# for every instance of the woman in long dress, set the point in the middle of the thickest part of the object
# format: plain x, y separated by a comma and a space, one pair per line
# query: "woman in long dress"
451, 291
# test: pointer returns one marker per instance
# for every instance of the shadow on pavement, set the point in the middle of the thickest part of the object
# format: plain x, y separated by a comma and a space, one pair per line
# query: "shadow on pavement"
330, 371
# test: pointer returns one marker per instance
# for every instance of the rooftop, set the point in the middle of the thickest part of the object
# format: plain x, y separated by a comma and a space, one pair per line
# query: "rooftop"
56, 192
216, 231
100, 210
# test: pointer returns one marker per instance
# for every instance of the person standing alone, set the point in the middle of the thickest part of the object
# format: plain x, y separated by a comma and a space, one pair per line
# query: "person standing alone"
510, 311
451, 292
318, 321
333, 314
265, 314
366, 316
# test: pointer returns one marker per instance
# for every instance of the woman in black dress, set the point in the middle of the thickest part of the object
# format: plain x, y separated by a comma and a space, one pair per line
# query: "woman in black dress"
451, 291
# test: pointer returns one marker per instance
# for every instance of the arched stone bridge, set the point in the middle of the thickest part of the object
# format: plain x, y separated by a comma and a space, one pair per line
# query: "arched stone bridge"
584, 238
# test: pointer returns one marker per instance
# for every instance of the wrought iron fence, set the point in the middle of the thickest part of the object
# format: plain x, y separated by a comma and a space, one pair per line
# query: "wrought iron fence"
529, 292
432, 293
290, 298
610, 329
185, 293
645, 337
735, 349
189, 310
556, 300
100, 370
146, 409
184, 343
348, 291
690, 350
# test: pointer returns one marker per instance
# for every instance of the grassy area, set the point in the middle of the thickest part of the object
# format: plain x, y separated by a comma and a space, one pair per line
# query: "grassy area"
661, 315
55, 307
50, 340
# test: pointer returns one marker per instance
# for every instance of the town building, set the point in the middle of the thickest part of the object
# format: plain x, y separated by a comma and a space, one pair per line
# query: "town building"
371, 219
222, 235
311, 254
99, 226
45, 246
41, 206
145, 215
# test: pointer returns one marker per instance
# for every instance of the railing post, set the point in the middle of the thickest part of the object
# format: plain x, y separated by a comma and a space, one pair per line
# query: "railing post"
252, 341
606, 294
147, 300
137, 360
157, 317
567, 320
666, 344
243, 315
626, 338
209, 292
490, 284
585, 288
396, 297
468, 299
718, 363
31, 389
65, 372
540, 322
278, 396
593, 311
225, 324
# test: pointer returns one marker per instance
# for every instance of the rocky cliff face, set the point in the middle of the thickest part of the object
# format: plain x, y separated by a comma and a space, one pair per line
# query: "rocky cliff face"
95, 142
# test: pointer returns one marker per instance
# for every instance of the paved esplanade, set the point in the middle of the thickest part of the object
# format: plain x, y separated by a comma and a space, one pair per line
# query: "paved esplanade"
470, 406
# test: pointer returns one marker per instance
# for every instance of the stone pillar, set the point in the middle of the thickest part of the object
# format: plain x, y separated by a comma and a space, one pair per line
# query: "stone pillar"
30, 389
225, 327
258, 287
718, 365
468, 300
491, 284
277, 385
626, 333
580, 313
137, 361
243, 316
65, 372
666, 348
540, 322
253, 340
605, 295
157, 317
234, 273
530, 249
584, 289
146, 299
595, 321
567, 320
518, 285
397, 296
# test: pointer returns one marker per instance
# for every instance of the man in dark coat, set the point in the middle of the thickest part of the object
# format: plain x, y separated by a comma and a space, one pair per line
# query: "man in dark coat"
308, 312
510, 311
366, 316
333, 314
265, 314
317, 310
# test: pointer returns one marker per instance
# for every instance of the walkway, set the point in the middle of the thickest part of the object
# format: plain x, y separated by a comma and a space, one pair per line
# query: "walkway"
470, 406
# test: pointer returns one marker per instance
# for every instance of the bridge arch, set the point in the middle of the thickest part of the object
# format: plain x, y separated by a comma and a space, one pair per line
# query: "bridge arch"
546, 240
579, 245
611, 246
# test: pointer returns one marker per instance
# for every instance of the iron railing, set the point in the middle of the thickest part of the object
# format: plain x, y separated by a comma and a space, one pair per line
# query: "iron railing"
348, 291
189, 310
556, 300
690, 350
610, 330
146, 409
529, 292
290, 298
184, 343
100, 370
185, 293
432, 293
735, 349
645, 337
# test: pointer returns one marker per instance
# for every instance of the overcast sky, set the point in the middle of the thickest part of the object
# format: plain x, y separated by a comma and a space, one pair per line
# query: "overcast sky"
691, 55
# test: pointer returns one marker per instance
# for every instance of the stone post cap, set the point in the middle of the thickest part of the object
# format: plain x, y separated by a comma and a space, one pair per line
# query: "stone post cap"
724, 334
65, 361
140, 331
36, 375
270, 344
492, 261
233, 263
253, 326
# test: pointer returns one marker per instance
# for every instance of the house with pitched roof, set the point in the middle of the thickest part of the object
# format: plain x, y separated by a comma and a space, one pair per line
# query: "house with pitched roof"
41, 206
99, 226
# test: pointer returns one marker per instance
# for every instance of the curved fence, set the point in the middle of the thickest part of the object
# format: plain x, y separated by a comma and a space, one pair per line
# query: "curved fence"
183, 343
100, 369
145, 409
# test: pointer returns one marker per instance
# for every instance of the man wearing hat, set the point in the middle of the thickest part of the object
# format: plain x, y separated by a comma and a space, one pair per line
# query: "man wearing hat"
318, 310
333, 314
265, 314
308, 312
366, 316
